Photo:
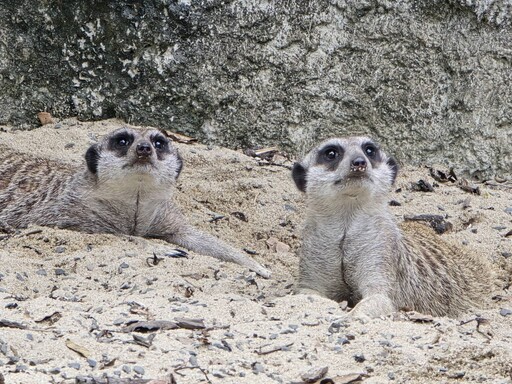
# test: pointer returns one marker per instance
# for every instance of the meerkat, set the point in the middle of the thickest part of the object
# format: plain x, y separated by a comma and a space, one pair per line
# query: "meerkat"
125, 187
354, 250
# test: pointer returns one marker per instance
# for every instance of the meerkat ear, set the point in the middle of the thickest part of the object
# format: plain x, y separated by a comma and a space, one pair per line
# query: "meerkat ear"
299, 176
394, 169
91, 158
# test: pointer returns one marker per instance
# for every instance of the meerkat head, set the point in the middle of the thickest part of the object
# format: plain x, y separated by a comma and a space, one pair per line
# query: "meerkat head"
127, 153
352, 167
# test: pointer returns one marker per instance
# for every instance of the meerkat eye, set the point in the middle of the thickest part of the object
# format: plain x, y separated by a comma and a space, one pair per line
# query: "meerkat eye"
331, 154
160, 143
370, 150
123, 142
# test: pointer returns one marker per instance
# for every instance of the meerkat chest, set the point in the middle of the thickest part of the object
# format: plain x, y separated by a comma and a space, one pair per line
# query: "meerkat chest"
130, 210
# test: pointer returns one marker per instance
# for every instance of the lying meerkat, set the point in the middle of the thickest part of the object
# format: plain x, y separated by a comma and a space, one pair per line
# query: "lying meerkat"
126, 188
354, 250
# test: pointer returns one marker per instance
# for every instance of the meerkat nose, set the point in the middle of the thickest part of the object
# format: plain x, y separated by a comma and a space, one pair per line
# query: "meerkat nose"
143, 149
358, 165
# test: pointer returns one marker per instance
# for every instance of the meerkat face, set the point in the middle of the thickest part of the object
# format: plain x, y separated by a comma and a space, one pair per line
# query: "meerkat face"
353, 167
127, 153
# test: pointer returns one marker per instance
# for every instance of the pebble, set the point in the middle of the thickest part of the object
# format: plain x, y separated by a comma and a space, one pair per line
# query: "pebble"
359, 358
139, 370
60, 249
508, 210
126, 369
41, 272
20, 277
258, 368
505, 312
391, 376
74, 365
21, 368
55, 371
30, 337
60, 272
92, 363
506, 254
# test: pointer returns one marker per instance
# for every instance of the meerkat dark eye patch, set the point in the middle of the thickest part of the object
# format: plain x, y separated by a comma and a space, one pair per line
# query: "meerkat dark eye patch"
330, 155
371, 150
120, 142
394, 168
160, 142
299, 176
92, 157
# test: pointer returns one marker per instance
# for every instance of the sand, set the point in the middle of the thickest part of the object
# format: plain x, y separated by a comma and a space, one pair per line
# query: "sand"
66, 298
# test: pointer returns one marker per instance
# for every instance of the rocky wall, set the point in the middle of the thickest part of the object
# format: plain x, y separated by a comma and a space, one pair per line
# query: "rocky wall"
429, 79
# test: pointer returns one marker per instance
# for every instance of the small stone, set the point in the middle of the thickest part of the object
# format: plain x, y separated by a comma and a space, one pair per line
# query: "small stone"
218, 374
391, 375
30, 337
258, 368
508, 210
124, 265
314, 374
126, 285
60, 249
20, 277
193, 361
139, 370
41, 272
273, 336
21, 368
342, 341
126, 369
505, 312
359, 358
92, 363
55, 371
506, 254
74, 365
60, 272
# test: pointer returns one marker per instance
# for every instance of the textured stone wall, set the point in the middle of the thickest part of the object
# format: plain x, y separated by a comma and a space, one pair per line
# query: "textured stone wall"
430, 79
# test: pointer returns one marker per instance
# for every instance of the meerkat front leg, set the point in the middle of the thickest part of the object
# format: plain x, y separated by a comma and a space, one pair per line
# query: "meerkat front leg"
320, 272
205, 244
375, 305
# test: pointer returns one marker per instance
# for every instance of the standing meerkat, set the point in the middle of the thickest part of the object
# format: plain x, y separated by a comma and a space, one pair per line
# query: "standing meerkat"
126, 188
354, 250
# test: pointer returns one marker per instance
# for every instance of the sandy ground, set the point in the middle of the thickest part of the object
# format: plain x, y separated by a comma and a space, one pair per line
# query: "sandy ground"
67, 297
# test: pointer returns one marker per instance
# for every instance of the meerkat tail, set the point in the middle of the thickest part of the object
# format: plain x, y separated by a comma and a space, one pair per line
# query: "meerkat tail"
205, 244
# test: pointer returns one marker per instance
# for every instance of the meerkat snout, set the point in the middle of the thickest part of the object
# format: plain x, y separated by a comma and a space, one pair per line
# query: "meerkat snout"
144, 150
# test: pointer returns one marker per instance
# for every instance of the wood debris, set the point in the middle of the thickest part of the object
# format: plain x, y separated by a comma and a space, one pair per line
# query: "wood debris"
437, 222
11, 324
156, 325
179, 138
45, 118
78, 348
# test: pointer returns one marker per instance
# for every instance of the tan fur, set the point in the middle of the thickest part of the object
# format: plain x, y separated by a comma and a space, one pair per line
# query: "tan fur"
353, 249
125, 189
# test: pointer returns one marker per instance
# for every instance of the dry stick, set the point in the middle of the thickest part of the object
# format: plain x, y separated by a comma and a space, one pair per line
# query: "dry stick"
272, 350
196, 367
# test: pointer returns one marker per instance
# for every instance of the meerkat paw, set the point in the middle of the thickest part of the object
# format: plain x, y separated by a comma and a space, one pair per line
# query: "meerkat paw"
262, 271
372, 306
